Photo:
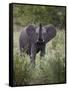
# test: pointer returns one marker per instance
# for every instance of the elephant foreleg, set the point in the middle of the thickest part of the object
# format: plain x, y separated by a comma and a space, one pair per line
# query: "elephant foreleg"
33, 54
42, 54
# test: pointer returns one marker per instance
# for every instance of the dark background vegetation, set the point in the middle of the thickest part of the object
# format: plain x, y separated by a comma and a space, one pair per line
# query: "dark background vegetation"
25, 14
51, 68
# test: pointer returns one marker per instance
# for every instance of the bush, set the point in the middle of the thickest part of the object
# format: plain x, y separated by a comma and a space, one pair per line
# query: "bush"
50, 69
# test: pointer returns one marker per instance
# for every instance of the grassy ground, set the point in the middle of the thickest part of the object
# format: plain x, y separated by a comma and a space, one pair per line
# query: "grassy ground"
50, 69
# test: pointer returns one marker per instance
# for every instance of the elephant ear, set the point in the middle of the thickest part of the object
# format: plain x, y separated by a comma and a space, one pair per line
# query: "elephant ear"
31, 33
50, 32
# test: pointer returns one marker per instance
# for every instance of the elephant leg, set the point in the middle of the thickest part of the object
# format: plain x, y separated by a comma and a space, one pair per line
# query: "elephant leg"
21, 46
42, 54
33, 54
21, 51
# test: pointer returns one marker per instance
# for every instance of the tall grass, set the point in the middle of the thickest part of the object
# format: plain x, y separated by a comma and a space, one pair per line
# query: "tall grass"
50, 69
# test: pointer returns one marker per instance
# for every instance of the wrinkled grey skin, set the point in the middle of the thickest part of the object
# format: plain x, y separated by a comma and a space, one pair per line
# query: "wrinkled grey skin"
32, 40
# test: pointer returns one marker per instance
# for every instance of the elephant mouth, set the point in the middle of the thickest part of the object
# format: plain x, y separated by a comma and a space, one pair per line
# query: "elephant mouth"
40, 43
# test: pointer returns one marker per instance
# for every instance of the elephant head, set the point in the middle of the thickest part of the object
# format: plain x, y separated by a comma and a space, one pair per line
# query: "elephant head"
41, 34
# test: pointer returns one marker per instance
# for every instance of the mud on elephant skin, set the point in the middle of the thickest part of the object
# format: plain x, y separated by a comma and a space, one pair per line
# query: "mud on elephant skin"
34, 39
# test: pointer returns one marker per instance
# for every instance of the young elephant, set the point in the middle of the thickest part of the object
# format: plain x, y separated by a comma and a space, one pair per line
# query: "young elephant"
32, 40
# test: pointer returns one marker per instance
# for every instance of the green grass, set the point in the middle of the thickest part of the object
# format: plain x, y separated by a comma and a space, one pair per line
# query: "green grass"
50, 69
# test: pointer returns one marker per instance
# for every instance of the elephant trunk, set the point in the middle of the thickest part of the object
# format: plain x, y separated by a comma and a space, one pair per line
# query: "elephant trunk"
40, 32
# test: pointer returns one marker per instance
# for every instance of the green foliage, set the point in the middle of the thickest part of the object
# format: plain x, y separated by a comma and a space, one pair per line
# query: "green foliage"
25, 14
22, 69
49, 69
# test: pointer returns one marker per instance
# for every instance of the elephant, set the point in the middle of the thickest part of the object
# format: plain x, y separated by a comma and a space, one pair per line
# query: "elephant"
34, 39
